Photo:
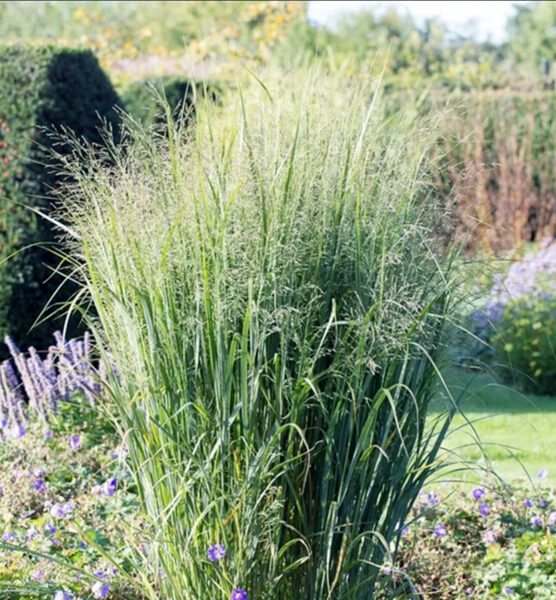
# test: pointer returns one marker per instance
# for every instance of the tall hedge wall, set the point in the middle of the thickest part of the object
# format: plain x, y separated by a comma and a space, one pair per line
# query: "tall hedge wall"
41, 88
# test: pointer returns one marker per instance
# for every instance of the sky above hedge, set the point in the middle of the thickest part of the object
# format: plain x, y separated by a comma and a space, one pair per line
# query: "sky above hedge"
490, 17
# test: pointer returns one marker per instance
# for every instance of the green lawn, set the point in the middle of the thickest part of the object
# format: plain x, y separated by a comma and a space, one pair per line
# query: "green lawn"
517, 430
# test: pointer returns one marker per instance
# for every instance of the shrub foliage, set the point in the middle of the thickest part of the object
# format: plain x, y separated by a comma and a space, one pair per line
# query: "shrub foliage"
42, 89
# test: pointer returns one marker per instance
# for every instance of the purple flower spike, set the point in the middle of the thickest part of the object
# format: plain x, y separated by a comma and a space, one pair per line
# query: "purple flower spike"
484, 509
542, 474
75, 442
100, 590
479, 493
216, 552
440, 531
239, 595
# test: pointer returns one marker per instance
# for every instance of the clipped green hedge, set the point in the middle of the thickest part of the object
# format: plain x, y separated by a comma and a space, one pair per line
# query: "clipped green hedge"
142, 99
42, 88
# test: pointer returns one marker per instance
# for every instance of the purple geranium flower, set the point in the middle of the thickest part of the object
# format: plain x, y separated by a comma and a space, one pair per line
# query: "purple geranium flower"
489, 536
32, 533
8, 536
239, 595
108, 488
57, 511
39, 485
216, 552
440, 531
51, 529
484, 509
100, 589
479, 493
536, 521
75, 442
433, 499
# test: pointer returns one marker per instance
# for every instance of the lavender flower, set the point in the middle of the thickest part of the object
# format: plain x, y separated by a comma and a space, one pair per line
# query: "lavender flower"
216, 552
469, 591
440, 531
47, 434
528, 503
239, 595
60, 595
542, 474
404, 531
508, 591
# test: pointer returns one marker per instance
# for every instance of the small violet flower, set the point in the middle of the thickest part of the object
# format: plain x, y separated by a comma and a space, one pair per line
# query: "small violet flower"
489, 536
75, 442
216, 552
100, 590
47, 434
528, 502
552, 518
39, 485
484, 509
57, 511
51, 529
8, 536
433, 499
536, 521
239, 595
440, 531
108, 488
60, 595
479, 493
542, 474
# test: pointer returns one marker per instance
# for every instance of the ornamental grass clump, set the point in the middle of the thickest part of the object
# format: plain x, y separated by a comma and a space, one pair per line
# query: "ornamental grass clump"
269, 286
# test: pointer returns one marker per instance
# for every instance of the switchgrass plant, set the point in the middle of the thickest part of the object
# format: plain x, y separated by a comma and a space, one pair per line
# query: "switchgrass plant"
270, 290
